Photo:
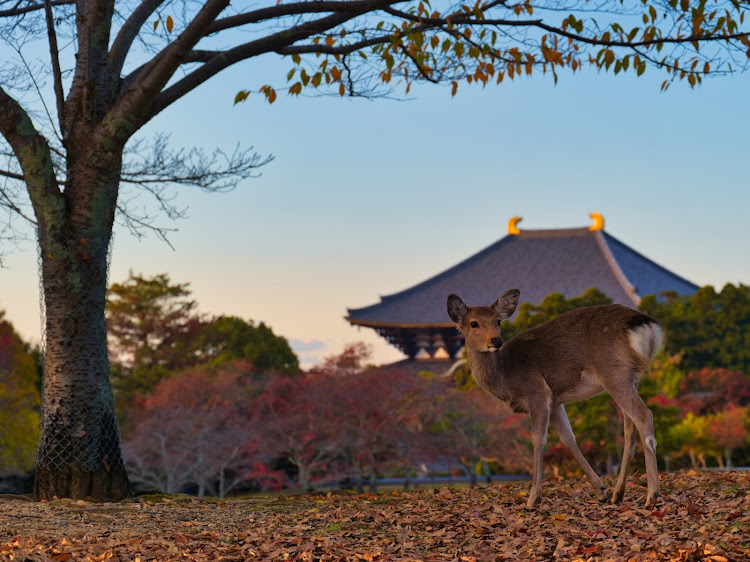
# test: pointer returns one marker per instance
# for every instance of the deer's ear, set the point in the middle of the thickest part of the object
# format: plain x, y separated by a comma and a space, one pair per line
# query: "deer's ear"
506, 305
456, 308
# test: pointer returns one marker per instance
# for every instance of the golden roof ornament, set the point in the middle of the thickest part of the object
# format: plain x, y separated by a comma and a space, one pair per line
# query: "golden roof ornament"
512, 228
598, 221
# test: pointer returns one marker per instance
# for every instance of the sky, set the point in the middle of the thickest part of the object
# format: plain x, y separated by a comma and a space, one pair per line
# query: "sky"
369, 197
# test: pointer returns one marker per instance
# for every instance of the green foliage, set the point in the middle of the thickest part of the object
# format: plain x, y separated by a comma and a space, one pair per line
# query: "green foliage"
532, 315
228, 338
148, 321
708, 329
151, 325
19, 402
666, 374
155, 331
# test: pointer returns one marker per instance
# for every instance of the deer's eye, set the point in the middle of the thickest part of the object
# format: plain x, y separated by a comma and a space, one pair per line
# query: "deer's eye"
474, 324
499, 322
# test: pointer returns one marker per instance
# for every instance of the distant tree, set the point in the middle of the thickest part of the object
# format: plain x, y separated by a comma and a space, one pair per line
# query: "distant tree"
666, 374
19, 402
381, 414
146, 319
228, 338
729, 430
417, 444
476, 429
152, 329
300, 423
710, 390
197, 428
692, 434
708, 329
156, 331
352, 361
531, 315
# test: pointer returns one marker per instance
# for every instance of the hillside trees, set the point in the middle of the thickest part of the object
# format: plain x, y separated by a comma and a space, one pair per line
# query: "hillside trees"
19, 402
196, 429
215, 429
155, 330
708, 328
67, 158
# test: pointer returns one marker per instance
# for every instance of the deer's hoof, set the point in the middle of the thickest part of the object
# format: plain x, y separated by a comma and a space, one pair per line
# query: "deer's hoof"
617, 497
651, 500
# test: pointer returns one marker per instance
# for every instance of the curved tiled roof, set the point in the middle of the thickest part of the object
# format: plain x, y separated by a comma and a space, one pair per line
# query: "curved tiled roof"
538, 262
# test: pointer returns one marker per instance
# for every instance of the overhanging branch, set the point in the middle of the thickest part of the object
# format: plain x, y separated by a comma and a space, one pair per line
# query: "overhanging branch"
223, 60
55, 59
18, 11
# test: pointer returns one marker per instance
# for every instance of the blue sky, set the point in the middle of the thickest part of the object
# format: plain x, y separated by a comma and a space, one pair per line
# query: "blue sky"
369, 197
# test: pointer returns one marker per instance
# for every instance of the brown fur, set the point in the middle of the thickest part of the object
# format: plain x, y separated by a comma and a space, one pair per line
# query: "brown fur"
577, 355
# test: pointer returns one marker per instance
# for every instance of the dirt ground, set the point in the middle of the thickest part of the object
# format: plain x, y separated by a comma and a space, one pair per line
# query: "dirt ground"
701, 516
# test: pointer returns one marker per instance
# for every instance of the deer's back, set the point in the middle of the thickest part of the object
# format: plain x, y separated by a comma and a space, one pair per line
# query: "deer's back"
569, 351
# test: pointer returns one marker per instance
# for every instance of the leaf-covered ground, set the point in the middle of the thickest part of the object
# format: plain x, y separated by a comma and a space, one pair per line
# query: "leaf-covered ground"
701, 516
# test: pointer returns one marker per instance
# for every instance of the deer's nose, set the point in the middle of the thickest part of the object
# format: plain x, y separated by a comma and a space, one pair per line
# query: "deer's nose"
497, 342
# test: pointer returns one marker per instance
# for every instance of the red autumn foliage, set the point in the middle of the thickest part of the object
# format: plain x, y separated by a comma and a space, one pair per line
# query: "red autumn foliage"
710, 389
197, 430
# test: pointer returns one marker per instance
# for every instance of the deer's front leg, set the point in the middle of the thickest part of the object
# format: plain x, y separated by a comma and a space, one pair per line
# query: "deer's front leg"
539, 412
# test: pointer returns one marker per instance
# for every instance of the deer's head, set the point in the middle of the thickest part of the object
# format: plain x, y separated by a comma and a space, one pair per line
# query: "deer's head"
480, 325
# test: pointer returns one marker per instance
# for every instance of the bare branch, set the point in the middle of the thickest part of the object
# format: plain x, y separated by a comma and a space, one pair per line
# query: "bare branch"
55, 59
11, 175
272, 43
140, 94
155, 164
17, 11
127, 35
151, 167
295, 8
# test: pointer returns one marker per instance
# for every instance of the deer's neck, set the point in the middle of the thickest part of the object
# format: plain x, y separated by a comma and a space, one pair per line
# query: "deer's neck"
486, 368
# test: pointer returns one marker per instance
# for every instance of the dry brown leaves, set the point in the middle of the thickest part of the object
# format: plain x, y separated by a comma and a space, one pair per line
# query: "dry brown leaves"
702, 516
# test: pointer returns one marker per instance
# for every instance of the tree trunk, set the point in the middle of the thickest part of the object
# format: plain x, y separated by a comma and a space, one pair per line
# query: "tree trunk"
79, 452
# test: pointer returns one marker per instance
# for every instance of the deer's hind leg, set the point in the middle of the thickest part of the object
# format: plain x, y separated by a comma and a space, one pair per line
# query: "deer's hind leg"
539, 413
625, 393
628, 451
559, 420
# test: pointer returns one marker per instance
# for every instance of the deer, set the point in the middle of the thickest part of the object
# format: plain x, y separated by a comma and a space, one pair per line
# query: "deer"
577, 355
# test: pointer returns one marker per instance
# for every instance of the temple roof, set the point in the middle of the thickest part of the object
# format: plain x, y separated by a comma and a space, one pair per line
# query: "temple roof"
537, 262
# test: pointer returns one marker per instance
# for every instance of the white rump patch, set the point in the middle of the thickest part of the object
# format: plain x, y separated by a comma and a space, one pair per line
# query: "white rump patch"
646, 340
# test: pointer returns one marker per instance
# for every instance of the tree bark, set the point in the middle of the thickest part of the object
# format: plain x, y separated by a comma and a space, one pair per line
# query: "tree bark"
79, 454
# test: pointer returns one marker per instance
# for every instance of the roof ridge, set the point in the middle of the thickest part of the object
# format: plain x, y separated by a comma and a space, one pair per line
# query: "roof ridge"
437, 277
531, 233
650, 261
553, 232
617, 271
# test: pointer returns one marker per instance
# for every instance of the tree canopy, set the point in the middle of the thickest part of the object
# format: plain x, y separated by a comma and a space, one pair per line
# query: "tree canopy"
708, 328
156, 331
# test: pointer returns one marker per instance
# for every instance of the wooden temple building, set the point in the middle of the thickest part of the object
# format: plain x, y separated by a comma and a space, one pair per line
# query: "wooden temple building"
538, 262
